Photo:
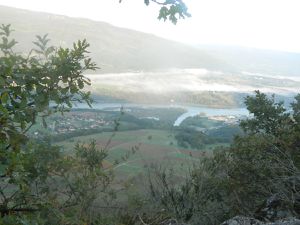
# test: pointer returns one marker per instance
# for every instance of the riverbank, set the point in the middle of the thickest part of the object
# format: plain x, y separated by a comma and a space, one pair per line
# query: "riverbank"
190, 111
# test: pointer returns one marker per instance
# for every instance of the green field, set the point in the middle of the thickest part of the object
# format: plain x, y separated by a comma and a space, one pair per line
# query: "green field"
154, 147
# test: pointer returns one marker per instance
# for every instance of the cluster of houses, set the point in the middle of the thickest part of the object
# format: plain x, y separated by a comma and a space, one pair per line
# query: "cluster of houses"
228, 119
79, 121
73, 121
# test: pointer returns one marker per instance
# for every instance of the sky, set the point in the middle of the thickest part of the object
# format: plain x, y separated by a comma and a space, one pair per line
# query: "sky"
266, 24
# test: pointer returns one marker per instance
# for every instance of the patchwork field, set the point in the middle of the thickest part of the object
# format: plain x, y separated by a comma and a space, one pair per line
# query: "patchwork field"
132, 152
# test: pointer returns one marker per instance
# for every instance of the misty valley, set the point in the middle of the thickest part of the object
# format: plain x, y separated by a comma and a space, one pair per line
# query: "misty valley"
102, 123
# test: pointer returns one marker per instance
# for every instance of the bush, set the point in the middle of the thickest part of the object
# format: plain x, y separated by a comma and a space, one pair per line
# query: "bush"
240, 179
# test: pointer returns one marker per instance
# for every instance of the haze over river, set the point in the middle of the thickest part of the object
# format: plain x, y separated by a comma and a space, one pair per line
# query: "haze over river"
142, 87
192, 80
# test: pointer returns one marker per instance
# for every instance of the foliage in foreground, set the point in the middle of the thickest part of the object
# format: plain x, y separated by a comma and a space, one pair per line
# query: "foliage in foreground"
38, 183
239, 180
171, 10
41, 185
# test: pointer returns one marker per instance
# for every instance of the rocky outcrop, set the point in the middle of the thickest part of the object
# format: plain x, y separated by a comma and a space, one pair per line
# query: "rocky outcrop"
273, 209
241, 220
172, 222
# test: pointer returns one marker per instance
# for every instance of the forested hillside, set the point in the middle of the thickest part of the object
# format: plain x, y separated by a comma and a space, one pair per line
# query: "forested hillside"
114, 49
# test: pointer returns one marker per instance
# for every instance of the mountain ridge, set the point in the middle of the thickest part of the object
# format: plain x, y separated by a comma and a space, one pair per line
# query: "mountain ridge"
117, 49
254, 60
114, 49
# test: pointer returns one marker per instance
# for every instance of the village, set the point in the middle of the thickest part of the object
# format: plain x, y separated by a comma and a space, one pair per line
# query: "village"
74, 121
78, 121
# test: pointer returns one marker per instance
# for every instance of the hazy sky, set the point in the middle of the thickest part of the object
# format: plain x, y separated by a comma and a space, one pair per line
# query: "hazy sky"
270, 24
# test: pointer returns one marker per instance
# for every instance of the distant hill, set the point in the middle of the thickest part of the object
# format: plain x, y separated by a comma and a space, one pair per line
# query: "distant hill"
256, 60
114, 49
117, 49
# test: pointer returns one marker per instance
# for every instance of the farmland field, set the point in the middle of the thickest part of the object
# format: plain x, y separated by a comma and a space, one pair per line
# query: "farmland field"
151, 147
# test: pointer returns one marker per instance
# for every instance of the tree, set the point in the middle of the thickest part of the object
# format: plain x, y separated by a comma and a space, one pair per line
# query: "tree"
38, 183
244, 179
47, 80
269, 117
170, 9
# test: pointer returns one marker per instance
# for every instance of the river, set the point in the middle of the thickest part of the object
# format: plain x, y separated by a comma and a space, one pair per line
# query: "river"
190, 110
193, 111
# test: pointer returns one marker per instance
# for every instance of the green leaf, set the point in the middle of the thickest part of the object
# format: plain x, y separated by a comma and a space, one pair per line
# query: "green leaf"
2, 81
4, 97
80, 84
